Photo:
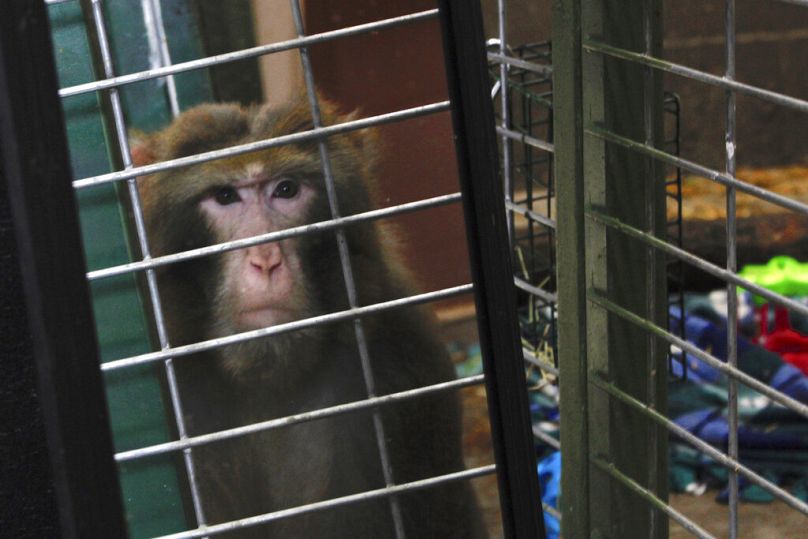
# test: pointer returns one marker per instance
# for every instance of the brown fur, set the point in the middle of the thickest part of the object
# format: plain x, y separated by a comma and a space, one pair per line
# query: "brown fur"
308, 369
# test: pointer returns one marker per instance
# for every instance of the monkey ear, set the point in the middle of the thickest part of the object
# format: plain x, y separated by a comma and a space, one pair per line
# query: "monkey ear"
141, 147
366, 140
367, 143
143, 150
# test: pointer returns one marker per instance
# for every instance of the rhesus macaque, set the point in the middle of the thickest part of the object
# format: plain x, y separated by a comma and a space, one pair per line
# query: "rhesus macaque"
304, 370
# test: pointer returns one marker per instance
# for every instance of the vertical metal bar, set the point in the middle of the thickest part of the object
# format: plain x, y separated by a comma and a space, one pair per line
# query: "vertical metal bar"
732, 265
627, 99
491, 268
651, 219
633, 191
568, 113
507, 176
158, 44
151, 278
51, 390
347, 270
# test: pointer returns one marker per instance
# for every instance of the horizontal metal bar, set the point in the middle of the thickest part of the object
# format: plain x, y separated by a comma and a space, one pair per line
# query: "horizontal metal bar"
803, 3
247, 53
786, 401
316, 133
495, 89
521, 284
322, 413
332, 503
522, 210
347, 314
651, 498
697, 262
320, 226
531, 358
551, 510
541, 69
695, 168
598, 381
52, 2
549, 440
526, 139
592, 45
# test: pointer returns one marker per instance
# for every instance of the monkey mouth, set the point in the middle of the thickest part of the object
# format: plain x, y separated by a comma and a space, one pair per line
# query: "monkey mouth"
264, 316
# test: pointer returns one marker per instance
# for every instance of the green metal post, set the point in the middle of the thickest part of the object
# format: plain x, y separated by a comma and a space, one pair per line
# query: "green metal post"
568, 133
627, 99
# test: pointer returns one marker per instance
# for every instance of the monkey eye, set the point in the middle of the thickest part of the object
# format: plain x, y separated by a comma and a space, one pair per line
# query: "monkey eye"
286, 189
226, 195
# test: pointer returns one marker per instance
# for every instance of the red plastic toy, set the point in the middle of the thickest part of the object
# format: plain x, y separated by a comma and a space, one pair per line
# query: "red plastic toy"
791, 345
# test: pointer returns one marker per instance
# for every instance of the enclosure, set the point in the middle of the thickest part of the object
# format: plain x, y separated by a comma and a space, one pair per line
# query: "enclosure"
577, 223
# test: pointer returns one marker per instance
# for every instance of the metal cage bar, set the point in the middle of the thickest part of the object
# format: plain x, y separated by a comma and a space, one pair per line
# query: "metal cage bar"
568, 114
732, 266
319, 226
589, 90
506, 387
505, 116
348, 274
652, 135
525, 118
699, 170
385, 492
99, 36
652, 499
280, 422
516, 467
295, 138
158, 40
247, 53
338, 316
691, 439
594, 45
584, 27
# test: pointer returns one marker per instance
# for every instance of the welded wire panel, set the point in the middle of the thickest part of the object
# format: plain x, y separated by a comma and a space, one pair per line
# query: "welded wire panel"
406, 474
143, 243
604, 144
521, 76
525, 123
243, 54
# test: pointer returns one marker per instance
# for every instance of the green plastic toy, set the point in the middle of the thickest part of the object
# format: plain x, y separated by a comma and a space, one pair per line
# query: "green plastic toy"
782, 274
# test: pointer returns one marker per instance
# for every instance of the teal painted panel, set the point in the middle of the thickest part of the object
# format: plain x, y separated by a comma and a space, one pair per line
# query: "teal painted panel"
139, 414
146, 103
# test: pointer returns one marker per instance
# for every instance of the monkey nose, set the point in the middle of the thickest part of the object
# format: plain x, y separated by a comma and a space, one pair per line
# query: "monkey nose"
264, 258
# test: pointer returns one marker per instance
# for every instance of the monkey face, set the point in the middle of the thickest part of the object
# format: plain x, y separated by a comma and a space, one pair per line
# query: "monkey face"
265, 284
245, 195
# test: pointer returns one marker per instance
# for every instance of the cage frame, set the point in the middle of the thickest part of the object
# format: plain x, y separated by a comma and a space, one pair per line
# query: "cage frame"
82, 487
587, 63
75, 477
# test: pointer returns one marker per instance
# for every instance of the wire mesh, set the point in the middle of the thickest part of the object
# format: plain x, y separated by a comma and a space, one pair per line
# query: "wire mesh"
532, 200
523, 90
347, 271
146, 264
732, 450
143, 243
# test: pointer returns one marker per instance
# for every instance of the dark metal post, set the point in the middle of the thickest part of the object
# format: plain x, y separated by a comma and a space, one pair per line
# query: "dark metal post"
593, 92
568, 114
78, 496
484, 209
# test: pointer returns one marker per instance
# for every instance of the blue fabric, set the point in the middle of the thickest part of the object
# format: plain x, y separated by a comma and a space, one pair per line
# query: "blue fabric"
790, 380
772, 440
550, 480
